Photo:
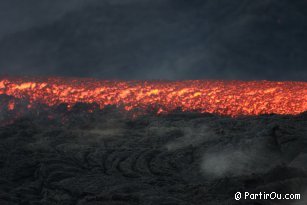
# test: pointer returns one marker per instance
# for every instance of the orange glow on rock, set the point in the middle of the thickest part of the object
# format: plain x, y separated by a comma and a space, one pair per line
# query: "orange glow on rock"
11, 105
232, 98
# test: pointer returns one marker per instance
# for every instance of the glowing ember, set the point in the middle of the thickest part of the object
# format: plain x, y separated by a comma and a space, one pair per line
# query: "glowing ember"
11, 105
220, 97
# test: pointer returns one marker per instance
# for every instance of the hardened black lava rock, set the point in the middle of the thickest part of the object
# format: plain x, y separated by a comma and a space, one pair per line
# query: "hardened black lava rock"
106, 157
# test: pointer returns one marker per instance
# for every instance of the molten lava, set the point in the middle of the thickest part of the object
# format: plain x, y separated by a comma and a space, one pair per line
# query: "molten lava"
232, 98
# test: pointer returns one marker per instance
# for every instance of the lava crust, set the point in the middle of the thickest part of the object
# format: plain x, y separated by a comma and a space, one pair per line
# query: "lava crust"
106, 157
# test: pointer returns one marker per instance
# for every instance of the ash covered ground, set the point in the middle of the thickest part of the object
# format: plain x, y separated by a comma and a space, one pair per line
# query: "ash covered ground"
107, 157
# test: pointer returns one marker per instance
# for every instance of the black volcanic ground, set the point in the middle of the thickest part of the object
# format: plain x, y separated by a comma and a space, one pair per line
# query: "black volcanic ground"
107, 157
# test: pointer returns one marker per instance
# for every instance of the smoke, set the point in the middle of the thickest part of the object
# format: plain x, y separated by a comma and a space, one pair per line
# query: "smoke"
99, 131
80, 136
192, 137
248, 158
142, 39
227, 163
20, 15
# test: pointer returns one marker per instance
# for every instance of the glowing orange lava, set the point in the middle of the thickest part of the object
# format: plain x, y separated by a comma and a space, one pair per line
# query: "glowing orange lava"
230, 98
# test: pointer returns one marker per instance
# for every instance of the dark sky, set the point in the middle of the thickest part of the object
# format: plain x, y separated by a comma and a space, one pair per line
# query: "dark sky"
155, 39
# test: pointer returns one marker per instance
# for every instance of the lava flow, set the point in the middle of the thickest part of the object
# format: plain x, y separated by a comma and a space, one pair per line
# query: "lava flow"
232, 98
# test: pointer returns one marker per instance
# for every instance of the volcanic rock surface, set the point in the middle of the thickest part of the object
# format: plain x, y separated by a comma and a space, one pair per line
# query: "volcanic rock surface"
107, 157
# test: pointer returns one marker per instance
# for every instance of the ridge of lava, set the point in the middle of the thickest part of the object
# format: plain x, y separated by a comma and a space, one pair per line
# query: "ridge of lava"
222, 97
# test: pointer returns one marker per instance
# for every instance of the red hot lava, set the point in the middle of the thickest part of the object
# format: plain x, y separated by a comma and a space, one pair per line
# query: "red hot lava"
232, 98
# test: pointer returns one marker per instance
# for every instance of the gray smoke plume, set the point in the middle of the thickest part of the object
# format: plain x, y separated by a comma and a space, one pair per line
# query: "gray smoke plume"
192, 137
165, 39
249, 157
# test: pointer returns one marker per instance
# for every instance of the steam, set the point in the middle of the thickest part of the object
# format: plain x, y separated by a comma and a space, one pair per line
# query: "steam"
248, 158
20, 15
192, 137
111, 128
79, 138
142, 39
227, 163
